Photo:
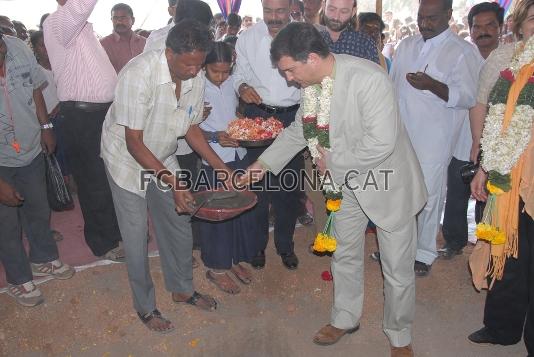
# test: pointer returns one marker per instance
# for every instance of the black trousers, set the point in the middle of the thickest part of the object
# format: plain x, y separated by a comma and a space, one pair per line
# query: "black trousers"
81, 133
286, 203
455, 216
511, 299
191, 162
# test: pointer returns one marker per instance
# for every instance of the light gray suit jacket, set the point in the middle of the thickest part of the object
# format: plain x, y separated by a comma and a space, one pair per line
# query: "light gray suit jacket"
367, 135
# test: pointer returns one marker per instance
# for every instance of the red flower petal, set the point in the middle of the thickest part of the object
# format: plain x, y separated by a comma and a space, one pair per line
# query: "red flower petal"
326, 276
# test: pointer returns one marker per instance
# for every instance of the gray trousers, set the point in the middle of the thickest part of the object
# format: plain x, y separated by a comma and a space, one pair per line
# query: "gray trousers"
33, 216
173, 235
397, 254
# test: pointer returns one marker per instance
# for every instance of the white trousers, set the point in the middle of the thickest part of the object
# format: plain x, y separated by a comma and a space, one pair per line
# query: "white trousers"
435, 176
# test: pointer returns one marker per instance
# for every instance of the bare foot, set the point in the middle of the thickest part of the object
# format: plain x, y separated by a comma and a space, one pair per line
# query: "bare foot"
223, 282
242, 273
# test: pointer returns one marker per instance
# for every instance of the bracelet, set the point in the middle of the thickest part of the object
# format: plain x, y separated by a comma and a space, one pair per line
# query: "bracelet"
47, 126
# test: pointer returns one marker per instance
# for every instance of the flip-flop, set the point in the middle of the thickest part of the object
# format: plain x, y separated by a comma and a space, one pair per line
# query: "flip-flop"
238, 274
193, 300
155, 315
210, 276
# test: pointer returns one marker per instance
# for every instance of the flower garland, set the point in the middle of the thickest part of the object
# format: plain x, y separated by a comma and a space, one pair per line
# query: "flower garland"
524, 53
316, 102
506, 134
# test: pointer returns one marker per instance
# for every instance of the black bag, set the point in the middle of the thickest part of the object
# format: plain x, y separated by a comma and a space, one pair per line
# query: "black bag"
59, 196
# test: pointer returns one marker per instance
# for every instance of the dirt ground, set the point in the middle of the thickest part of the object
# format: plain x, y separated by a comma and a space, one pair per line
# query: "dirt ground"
277, 315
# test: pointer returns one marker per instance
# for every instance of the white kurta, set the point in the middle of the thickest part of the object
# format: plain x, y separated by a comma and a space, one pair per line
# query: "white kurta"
433, 124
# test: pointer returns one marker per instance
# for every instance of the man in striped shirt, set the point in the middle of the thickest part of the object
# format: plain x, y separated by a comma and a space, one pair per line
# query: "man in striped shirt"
85, 80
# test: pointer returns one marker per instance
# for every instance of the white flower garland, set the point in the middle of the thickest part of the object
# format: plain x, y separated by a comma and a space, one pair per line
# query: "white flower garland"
316, 104
524, 54
502, 150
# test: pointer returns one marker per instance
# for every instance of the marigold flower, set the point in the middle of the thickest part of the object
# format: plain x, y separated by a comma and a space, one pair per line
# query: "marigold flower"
494, 190
333, 205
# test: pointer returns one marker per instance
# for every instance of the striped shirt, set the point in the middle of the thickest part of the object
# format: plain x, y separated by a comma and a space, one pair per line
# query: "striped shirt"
145, 99
81, 67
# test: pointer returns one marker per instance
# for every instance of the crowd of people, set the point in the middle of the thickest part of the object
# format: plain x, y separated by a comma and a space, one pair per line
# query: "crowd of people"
414, 105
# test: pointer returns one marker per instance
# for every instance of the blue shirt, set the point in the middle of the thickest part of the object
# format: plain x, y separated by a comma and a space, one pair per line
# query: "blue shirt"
353, 43
18, 118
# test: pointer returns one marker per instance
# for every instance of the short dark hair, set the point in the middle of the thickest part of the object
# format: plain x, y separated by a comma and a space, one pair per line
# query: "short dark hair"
172, 3
297, 40
299, 3
365, 17
221, 52
485, 7
122, 6
234, 19
193, 9
43, 18
35, 37
231, 40
188, 36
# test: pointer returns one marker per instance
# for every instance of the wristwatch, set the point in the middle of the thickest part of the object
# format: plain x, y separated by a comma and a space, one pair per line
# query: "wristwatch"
213, 138
47, 126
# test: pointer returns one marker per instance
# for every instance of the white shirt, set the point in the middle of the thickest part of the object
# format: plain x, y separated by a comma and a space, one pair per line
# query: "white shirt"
434, 125
157, 38
156, 41
145, 99
254, 67
223, 102
49, 90
462, 149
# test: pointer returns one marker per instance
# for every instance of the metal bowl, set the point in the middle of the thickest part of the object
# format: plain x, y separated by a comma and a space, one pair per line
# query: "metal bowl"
225, 208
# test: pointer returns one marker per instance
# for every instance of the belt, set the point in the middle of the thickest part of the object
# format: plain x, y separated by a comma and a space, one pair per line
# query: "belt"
85, 106
273, 109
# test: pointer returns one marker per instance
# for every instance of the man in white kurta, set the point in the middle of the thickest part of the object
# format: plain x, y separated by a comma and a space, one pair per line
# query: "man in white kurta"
436, 76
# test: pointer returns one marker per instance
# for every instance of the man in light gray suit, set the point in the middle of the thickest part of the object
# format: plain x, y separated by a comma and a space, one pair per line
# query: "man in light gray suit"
372, 157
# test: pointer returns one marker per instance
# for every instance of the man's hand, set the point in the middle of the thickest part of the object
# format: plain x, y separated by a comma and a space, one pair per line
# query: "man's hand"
48, 141
249, 94
207, 110
478, 186
320, 162
225, 140
254, 173
184, 201
9, 196
420, 80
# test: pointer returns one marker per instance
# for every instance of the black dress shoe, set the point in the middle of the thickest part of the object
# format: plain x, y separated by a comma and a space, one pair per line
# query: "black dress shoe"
290, 260
258, 262
483, 336
447, 253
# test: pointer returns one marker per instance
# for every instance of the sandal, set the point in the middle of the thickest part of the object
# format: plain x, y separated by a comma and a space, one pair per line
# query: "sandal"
421, 269
242, 274
156, 315
223, 285
210, 303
